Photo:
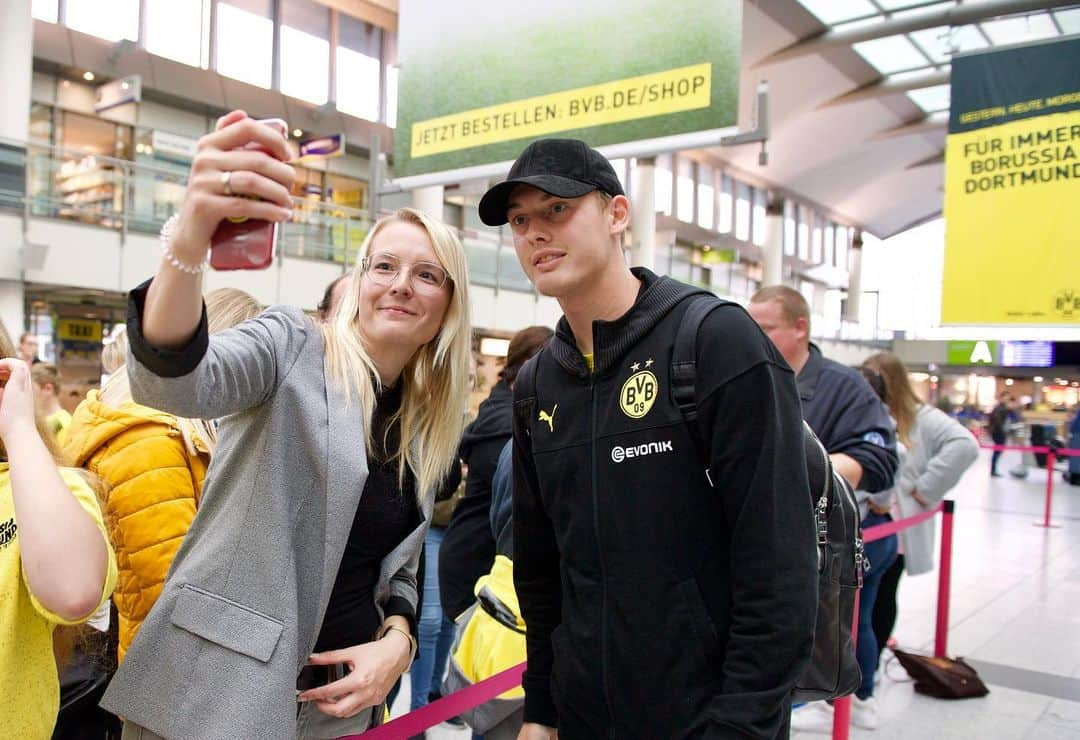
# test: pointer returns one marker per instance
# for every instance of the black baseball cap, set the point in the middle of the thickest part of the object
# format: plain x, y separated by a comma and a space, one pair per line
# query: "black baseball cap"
566, 168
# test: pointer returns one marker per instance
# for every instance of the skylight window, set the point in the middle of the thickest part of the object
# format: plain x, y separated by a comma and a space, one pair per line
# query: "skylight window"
1069, 20
942, 42
830, 12
891, 54
1016, 30
931, 99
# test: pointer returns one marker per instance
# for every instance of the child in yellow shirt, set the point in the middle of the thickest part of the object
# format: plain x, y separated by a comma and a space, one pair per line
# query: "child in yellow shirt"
56, 564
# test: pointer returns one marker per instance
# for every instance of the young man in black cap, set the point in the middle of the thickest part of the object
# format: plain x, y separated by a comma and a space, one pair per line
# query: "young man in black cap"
666, 595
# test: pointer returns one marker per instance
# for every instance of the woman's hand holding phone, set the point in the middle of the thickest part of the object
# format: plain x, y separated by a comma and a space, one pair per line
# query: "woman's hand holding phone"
240, 171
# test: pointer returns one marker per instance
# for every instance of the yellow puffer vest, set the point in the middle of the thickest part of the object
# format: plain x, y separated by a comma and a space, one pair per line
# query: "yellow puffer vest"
154, 465
484, 645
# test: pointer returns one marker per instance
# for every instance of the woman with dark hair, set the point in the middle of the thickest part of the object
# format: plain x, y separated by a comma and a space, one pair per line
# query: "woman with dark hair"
468, 549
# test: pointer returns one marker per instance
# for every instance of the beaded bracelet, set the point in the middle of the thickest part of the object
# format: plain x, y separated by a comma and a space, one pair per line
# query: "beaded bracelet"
168, 229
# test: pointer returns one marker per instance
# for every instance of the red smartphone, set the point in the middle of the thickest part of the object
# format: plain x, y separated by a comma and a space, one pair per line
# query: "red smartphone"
246, 243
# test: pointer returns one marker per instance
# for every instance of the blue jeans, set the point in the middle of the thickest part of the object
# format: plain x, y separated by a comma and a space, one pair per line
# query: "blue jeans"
436, 631
881, 554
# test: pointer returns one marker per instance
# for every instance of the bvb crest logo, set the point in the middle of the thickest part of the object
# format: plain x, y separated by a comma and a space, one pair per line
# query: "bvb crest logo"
1067, 304
638, 394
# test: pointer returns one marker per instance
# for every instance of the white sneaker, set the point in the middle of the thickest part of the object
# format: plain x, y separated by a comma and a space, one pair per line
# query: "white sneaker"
817, 716
864, 712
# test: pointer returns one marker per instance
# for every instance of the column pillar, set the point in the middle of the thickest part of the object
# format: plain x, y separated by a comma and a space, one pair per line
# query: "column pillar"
773, 249
429, 200
16, 56
643, 214
12, 307
854, 291
16, 59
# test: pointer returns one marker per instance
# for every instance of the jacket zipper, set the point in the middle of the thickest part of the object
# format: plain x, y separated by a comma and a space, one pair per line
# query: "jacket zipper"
600, 560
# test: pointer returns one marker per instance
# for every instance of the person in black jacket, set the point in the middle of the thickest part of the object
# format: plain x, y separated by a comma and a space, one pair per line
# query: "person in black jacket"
837, 402
468, 549
657, 605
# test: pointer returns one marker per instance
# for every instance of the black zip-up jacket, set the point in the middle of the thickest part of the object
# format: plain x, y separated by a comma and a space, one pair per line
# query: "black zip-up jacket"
658, 606
848, 417
468, 548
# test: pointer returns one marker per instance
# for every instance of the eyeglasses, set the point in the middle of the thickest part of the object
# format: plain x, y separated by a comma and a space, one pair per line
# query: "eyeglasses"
384, 269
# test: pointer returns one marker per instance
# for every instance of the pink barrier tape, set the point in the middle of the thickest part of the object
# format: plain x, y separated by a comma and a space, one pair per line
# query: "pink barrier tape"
1051, 459
881, 531
414, 723
1042, 449
842, 707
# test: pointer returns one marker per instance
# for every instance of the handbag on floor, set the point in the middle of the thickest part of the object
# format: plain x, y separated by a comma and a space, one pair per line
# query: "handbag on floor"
943, 678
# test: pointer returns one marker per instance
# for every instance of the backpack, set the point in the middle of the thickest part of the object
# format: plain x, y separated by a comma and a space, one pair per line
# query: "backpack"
833, 671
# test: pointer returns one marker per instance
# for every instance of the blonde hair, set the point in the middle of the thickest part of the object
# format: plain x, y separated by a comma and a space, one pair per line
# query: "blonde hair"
435, 380
900, 397
227, 307
114, 354
793, 304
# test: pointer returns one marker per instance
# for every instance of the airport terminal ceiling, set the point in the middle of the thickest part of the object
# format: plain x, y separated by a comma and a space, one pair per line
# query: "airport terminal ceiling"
859, 96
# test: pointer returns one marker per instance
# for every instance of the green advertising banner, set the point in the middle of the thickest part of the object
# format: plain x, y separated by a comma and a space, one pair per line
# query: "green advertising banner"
479, 79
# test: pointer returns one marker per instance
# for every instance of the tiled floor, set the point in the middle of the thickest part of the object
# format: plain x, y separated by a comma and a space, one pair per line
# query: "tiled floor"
1015, 604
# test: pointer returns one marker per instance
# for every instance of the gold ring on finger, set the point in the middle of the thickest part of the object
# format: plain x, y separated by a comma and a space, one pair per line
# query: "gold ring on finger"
225, 185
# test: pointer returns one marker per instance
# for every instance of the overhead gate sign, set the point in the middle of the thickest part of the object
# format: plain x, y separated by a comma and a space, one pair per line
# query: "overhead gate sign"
1012, 187
479, 79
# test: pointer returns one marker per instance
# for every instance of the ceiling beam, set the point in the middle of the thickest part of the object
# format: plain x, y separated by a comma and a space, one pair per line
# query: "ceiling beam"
934, 160
958, 15
890, 86
930, 124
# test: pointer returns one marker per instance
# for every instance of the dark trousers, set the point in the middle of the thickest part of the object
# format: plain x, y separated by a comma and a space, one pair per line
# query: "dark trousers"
884, 617
999, 439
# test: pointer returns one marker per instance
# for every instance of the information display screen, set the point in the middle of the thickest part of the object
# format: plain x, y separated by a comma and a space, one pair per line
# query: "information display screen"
1027, 354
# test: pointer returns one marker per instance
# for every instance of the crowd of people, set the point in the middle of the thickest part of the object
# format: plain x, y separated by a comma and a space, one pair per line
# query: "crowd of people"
291, 512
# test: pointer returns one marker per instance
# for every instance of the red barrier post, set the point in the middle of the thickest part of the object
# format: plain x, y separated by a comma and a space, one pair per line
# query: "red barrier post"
1046, 523
941, 633
841, 720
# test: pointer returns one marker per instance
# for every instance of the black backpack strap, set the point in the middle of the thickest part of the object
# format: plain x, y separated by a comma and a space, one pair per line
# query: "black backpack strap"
525, 392
684, 369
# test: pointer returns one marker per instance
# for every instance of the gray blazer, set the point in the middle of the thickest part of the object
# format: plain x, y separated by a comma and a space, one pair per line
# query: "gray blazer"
219, 653
941, 450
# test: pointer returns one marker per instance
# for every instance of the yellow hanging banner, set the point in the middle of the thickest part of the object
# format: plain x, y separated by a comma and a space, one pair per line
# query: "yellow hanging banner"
1012, 188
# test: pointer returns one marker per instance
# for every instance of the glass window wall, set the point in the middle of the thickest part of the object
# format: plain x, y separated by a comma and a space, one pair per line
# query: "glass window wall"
179, 30
305, 50
111, 20
245, 41
684, 190
726, 213
706, 197
358, 71
742, 211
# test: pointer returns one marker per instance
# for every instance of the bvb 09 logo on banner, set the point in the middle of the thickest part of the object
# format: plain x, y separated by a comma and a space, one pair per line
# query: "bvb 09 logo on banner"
1012, 184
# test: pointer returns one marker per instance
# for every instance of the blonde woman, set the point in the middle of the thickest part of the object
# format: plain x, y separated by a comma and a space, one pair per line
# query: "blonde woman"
290, 608
154, 464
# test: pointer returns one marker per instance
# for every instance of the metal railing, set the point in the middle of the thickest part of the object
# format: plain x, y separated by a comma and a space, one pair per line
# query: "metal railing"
137, 197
